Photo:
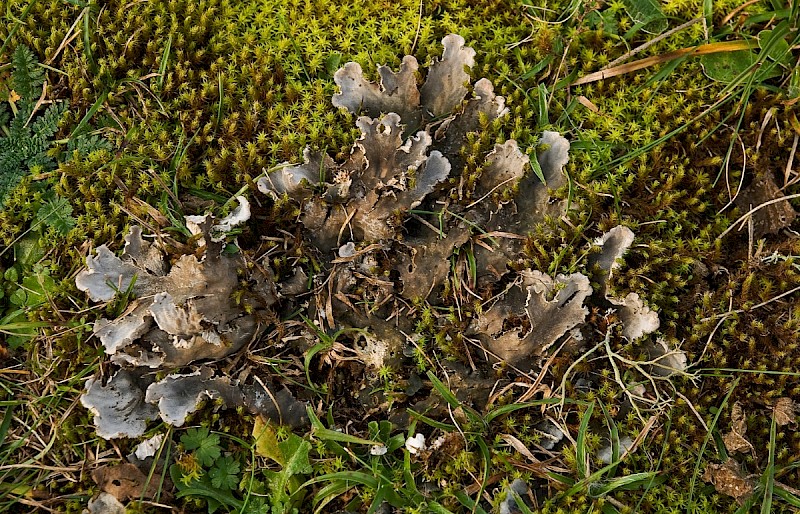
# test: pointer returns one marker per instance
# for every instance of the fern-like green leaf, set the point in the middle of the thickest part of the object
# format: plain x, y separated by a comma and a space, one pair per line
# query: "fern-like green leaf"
85, 144
26, 146
4, 117
28, 76
57, 214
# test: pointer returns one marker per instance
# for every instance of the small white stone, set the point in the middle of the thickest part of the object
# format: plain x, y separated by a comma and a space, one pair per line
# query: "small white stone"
625, 444
347, 250
415, 444
378, 449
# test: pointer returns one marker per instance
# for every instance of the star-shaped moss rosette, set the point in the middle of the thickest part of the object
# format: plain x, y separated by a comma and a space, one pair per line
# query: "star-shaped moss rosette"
178, 316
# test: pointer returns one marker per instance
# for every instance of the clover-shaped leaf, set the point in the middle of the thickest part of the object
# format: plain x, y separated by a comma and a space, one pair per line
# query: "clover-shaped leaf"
205, 445
224, 474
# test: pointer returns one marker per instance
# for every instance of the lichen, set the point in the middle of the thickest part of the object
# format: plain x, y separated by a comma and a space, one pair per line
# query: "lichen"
175, 319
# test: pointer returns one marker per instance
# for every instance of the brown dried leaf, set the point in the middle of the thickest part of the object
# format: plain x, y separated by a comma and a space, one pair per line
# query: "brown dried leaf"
519, 446
785, 411
772, 218
127, 482
735, 440
728, 479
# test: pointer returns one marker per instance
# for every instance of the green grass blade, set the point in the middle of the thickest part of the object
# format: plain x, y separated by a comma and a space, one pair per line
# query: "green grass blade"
487, 459
707, 438
512, 407
634, 481
521, 505
329, 493
447, 427
87, 42
356, 477
786, 496
17, 22
580, 444
469, 503
162, 68
537, 68
451, 399
89, 114
319, 431
769, 473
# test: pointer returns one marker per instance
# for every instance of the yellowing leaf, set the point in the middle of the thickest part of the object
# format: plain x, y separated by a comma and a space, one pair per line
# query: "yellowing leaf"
267, 440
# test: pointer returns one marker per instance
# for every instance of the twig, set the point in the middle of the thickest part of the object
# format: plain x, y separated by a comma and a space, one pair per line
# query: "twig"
736, 11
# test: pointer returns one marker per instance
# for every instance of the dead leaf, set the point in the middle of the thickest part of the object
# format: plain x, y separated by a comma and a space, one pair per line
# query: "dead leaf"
127, 482
771, 218
519, 446
735, 440
785, 411
267, 440
728, 479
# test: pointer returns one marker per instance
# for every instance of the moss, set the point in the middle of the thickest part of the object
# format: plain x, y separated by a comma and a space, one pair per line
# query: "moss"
248, 85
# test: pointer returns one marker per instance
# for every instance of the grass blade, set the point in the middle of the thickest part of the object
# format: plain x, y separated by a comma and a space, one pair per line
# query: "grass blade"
708, 436
580, 444
634, 481
786, 496
162, 68
326, 434
769, 473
